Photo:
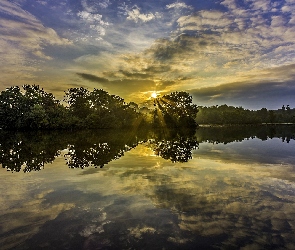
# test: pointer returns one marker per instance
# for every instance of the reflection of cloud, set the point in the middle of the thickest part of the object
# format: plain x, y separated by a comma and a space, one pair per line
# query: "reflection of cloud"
206, 202
231, 200
24, 211
252, 151
138, 232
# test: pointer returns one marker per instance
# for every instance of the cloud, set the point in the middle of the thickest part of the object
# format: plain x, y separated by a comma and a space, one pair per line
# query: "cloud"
178, 5
204, 20
93, 78
94, 6
95, 22
135, 15
141, 86
211, 47
254, 93
94, 18
23, 40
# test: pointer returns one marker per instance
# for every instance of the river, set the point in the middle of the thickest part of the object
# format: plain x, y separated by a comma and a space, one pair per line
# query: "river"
214, 188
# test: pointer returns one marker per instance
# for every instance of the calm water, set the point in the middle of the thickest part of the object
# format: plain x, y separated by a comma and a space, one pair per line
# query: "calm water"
216, 188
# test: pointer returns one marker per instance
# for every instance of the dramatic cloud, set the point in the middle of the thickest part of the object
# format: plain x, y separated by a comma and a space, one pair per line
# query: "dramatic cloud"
141, 86
192, 44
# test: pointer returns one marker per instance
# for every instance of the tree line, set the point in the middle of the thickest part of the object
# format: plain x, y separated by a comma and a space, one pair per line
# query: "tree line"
30, 107
224, 114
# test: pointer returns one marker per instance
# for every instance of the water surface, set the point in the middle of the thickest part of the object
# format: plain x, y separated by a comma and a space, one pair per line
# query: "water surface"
214, 188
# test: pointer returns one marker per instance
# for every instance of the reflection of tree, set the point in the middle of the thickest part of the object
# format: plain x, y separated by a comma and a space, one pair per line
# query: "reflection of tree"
97, 148
174, 145
96, 155
176, 151
227, 134
28, 151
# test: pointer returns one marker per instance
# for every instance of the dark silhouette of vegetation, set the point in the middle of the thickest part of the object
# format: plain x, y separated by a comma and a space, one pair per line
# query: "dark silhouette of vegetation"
31, 108
237, 115
98, 109
227, 134
31, 151
175, 110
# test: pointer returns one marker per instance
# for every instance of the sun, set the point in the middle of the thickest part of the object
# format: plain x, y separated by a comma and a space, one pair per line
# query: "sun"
154, 94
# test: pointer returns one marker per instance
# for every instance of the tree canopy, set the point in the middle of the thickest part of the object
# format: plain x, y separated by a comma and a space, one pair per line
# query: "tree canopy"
30, 107
175, 110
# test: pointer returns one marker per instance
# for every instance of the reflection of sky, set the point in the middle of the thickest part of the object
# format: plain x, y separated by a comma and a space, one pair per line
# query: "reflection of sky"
250, 151
226, 51
142, 199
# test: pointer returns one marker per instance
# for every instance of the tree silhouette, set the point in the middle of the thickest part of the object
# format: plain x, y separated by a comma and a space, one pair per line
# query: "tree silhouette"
175, 110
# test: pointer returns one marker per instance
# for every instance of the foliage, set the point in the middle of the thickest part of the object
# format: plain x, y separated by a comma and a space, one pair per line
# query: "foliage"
237, 115
175, 110
30, 108
33, 108
98, 109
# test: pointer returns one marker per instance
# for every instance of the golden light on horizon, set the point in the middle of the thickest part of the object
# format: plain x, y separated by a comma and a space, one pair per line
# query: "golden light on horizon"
154, 94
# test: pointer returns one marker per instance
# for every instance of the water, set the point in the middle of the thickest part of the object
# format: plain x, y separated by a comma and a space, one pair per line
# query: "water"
216, 188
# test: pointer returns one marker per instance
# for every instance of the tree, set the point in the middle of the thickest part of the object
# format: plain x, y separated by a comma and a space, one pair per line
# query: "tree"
176, 110
78, 100
12, 108
99, 109
30, 108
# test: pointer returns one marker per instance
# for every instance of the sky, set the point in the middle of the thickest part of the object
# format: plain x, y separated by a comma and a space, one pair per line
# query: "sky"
234, 52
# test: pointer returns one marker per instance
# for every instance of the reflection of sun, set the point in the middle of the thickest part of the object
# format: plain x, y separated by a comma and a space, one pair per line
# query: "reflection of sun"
154, 94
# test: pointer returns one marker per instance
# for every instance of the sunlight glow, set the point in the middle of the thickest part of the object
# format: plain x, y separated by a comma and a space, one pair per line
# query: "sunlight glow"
154, 94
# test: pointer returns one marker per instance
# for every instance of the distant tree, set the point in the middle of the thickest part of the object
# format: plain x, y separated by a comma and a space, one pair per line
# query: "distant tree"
262, 115
288, 108
272, 116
